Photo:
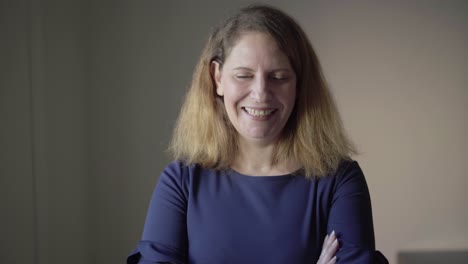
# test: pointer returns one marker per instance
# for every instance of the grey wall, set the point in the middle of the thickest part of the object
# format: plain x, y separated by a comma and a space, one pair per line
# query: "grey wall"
45, 168
90, 92
16, 164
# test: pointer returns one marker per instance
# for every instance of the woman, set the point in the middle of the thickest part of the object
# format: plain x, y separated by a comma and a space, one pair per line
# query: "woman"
263, 170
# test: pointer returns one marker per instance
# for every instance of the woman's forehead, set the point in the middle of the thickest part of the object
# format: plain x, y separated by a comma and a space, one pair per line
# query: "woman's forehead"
256, 49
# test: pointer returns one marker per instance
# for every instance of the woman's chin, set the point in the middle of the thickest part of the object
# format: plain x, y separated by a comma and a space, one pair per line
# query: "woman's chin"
259, 138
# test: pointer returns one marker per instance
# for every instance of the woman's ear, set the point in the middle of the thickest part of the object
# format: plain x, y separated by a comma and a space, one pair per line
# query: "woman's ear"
216, 74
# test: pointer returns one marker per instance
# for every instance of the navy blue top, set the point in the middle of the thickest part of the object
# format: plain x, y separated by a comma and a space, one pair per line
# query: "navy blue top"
205, 216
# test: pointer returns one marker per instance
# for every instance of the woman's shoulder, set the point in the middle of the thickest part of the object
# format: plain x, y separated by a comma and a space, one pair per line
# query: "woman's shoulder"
176, 179
349, 175
176, 167
347, 170
181, 172
347, 166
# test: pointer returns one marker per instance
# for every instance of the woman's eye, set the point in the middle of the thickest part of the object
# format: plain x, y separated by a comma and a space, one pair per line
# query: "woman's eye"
279, 77
243, 76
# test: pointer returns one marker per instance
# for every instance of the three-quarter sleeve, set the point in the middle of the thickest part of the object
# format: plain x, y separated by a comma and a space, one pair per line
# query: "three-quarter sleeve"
164, 238
351, 217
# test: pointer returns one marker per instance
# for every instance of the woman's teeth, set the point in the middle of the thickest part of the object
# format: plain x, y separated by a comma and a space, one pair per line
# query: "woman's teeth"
256, 112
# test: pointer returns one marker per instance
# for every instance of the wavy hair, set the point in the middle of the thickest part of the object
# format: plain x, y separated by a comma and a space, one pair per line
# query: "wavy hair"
313, 135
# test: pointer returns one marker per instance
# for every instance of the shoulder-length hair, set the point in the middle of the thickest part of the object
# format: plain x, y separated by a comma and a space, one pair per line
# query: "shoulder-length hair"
313, 135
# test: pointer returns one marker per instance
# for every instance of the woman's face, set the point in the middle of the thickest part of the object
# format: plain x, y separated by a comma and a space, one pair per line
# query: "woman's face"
258, 85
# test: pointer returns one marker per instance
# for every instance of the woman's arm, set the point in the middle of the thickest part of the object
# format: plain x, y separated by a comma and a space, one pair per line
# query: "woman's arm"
351, 216
164, 237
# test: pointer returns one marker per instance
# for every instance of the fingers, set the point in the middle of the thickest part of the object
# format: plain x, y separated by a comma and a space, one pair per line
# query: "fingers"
330, 247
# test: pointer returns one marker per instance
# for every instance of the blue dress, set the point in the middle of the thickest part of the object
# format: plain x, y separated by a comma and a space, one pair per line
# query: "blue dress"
205, 216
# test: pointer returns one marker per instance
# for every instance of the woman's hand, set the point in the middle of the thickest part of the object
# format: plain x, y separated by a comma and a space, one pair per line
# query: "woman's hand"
330, 246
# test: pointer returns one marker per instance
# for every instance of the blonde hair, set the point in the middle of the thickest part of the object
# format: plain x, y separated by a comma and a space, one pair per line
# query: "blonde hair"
313, 136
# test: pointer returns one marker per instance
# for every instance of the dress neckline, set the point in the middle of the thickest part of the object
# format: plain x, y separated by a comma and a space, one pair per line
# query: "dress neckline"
237, 174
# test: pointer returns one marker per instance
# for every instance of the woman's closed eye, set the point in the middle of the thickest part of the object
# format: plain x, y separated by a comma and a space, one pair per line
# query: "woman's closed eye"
279, 77
244, 76
273, 77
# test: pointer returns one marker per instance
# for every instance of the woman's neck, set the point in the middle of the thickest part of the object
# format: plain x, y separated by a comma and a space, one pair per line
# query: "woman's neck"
259, 160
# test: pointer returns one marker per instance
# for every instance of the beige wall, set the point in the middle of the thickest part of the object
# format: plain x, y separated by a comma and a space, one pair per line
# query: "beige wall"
399, 72
105, 82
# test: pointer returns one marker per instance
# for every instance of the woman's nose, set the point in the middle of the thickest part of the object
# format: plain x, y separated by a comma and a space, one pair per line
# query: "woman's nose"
260, 90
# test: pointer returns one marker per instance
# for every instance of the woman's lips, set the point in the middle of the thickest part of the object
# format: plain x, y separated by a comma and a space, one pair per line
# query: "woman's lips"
259, 113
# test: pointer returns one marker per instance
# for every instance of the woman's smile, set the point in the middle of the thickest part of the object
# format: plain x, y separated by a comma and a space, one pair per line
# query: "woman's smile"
260, 113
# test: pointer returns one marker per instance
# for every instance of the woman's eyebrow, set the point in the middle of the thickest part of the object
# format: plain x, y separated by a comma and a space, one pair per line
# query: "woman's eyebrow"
274, 70
281, 70
242, 68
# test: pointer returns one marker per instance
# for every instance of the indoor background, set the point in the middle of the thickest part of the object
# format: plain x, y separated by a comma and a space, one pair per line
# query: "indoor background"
90, 90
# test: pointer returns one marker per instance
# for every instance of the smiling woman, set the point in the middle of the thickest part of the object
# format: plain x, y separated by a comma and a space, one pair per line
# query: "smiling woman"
262, 170
258, 87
